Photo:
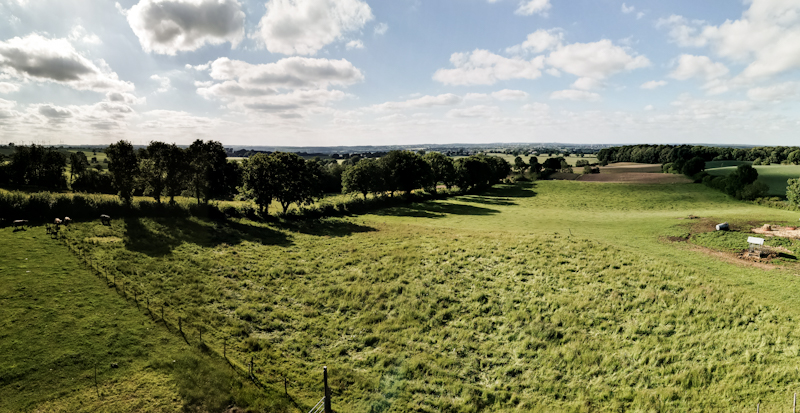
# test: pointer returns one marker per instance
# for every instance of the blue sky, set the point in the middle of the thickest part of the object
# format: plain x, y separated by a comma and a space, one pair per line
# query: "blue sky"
362, 72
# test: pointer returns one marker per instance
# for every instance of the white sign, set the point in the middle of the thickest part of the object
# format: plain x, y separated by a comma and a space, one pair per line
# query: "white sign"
754, 240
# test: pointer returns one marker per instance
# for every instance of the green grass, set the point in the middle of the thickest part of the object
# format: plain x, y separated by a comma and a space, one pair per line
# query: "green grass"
58, 321
725, 164
554, 297
775, 176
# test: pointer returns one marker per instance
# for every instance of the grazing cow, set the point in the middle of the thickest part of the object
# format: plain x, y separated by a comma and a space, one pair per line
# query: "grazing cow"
67, 221
57, 221
20, 223
105, 219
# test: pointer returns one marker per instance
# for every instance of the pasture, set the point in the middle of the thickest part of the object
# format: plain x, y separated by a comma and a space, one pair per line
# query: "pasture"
558, 296
775, 176
59, 321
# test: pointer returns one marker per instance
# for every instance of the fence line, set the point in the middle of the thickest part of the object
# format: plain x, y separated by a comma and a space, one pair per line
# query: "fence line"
244, 369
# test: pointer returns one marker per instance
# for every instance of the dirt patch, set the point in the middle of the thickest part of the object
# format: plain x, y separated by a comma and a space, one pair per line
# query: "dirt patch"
636, 178
628, 167
562, 176
777, 231
739, 258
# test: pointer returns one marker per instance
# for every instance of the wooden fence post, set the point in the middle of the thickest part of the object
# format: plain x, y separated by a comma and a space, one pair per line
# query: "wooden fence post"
285, 386
794, 404
327, 404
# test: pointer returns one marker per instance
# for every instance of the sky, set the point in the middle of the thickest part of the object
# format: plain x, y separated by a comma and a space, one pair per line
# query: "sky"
399, 72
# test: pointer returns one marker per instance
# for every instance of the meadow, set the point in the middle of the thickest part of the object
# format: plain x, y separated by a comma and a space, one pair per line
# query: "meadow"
546, 296
71, 343
775, 176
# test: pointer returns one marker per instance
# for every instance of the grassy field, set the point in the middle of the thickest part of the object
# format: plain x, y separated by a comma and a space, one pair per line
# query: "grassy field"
559, 296
725, 164
59, 321
775, 176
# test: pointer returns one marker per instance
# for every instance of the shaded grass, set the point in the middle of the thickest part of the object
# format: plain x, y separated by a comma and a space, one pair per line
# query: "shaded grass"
59, 321
488, 312
774, 176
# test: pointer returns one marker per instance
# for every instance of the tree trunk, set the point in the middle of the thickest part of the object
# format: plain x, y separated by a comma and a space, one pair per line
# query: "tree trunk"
285, 206
365, 196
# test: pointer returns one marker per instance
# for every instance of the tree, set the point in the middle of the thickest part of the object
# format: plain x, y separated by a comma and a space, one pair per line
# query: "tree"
124, 168
78, 164
364, 177
442, 169
208, 164
793, 192
738, 181
176, 171
519, 164
153, 168
259, 180
552, 164
405, 171
694, 166
535, 166
294, 181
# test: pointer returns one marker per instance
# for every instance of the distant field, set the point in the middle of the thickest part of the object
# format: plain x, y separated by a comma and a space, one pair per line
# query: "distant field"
630, 167
723, 164
775, 176
541, 158
553, 296
636, 177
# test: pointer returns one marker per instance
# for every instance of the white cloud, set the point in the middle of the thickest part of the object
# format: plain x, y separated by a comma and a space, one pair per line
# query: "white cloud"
508, 94
690, 66
482, 67
305, 26
381, 29
653, 84
580, 95
447, 99
775, 93
171, 26
587, 83
529, 7
639, 15
479, 111
261, 88
627, 9
766, 37
165, 84
125, 98
538, 42
536, 107
597, 60
37, 58
6, 87
649, 108
290, 72
78, 33
354, 44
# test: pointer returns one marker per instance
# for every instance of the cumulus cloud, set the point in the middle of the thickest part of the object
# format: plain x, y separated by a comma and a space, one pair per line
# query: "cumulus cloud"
37, 58
381, 29
171, 26
354, 44
538, 42
587, 83
530, 7
766, 37
597, 60
690, 66
508, 94
290, 72
79, 34
54, 113
627, 9
580, 95
164, 83
447, 99
482, 67
305, 26
775, 93
479, 111
126, 98
262, 87
653, 84
6, 87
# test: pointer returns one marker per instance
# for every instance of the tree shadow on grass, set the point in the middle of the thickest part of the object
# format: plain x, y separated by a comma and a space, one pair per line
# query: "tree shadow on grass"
161, 235
435, 210
324, 227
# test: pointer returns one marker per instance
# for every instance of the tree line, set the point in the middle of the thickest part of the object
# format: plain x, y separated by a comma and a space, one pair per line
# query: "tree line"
203, 171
